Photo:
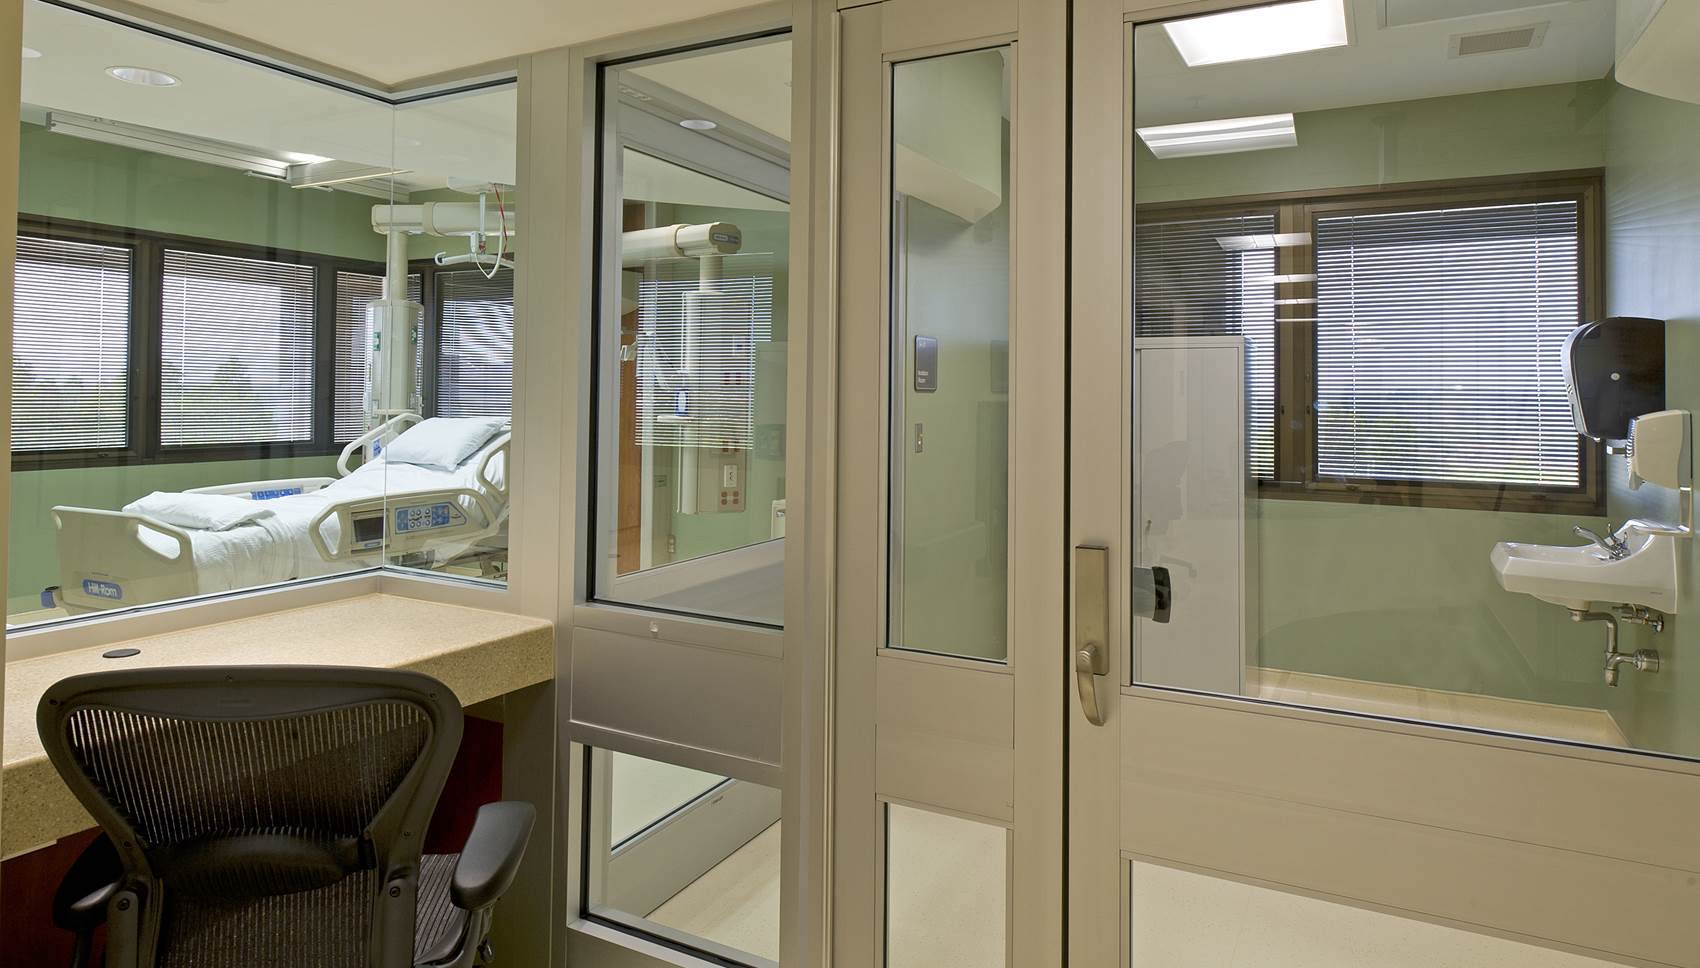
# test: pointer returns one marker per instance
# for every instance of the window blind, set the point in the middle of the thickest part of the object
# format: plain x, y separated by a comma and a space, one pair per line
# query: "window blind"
1438, 341
696, 362
70, 346
236, 350
475, 362
1186, 284
354, 292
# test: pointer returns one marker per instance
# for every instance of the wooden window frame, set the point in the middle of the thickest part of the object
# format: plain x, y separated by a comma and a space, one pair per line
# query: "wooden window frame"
1295, 343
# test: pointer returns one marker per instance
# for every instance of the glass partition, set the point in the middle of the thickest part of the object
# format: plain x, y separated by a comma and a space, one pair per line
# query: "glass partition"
688, 857
1369, 453
209, 312
690, 511
950, 355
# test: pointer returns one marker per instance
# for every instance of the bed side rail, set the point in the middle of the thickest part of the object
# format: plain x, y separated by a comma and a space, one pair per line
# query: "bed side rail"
105, 563
267, 490
486, 479
393, 425
404, 522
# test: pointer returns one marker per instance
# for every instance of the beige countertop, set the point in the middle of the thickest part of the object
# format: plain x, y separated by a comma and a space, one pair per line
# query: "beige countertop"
478, 654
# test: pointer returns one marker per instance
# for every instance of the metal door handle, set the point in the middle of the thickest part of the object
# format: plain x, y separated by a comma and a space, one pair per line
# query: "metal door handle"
1091, 628
1090, 663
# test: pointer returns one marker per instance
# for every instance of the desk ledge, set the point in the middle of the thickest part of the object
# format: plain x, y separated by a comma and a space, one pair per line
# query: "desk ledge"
477, 654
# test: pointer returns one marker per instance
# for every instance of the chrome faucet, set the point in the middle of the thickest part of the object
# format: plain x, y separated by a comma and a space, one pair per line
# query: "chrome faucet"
1615, 547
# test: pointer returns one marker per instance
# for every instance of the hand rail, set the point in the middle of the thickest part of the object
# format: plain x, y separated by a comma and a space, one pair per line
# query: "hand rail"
483, 475
369, 436
306, 485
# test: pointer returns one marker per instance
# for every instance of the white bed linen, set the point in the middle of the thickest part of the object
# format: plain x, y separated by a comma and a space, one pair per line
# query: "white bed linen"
280, 548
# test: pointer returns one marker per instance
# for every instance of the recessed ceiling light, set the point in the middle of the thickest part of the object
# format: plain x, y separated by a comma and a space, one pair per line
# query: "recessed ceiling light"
30, 53
1220, 137
698, 124
144, 76
1259, 32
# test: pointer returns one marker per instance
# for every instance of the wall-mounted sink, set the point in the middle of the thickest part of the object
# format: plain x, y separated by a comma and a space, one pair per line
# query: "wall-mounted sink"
1580, 576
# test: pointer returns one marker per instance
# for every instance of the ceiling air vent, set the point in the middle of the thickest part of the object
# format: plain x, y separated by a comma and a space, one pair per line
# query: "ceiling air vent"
1496, 41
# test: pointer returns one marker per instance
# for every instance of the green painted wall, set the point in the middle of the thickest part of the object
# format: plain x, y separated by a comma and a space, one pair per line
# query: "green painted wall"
72, 178
1554, 128
1406, 595
1653, 269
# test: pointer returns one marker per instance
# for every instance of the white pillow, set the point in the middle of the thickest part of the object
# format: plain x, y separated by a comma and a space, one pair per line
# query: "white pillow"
203, 512
443, 442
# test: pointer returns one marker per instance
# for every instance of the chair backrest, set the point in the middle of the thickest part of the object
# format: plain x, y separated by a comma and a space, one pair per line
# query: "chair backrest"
264, 814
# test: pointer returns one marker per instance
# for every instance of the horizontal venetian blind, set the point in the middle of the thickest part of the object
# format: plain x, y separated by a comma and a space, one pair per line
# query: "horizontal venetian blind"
236, 350
1438, 341
70, 346
696, 347
475, 361
1187, 284
354, 292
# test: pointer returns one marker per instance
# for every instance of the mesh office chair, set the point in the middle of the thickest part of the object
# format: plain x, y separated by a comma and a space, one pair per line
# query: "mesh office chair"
273, 816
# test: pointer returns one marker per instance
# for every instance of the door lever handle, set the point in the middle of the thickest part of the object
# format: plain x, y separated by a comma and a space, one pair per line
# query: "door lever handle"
1090, 663
1091, 628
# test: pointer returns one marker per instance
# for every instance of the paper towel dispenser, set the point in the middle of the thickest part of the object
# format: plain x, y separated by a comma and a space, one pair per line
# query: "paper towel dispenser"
1614, 371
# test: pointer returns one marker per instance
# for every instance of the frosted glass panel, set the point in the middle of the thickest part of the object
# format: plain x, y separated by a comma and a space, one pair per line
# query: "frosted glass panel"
946, 891
1179, 919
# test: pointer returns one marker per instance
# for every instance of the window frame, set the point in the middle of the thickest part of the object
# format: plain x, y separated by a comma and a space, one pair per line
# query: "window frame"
139, 391
142, 422
1296, 331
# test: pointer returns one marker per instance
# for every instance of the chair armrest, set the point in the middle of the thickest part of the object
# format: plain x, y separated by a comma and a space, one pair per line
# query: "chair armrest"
79, 905
492, 854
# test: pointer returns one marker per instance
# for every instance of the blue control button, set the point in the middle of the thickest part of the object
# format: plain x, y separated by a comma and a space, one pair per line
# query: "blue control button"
424, 517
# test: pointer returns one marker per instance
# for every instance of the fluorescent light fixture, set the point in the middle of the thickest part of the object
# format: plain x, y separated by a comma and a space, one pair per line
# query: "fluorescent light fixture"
145, 76
170, 143
30, 53
1258, 32
324, 174
1295, 302
1277, 240
1293, 278
698, 124
1220, 137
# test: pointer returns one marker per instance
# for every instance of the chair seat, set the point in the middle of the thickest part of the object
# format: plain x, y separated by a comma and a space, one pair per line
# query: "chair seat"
325, 927
438, 924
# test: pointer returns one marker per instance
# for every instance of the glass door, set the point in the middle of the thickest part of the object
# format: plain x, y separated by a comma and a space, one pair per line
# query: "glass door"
947, 784
1367, 300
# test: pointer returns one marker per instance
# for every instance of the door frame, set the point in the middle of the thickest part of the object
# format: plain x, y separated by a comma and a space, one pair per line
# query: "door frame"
1295, 798
958, 737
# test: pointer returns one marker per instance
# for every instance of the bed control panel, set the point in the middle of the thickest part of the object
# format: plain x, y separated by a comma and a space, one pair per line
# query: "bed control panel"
427, 517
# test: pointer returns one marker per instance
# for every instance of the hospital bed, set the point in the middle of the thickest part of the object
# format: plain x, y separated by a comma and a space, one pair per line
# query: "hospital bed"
407, 513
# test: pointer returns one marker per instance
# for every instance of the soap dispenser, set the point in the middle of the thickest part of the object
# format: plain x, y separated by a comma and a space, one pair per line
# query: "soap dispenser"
1661, 454
1660, 450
